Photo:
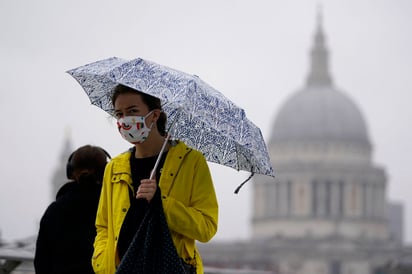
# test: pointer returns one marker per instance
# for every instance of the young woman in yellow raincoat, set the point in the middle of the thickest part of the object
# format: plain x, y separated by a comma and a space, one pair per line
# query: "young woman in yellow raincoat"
187, 192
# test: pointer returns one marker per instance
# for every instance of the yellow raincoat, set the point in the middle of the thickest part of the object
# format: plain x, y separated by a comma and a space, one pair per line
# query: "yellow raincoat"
189, 203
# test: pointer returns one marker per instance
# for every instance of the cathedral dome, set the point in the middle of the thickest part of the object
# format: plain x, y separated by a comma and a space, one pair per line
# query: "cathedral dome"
319, 113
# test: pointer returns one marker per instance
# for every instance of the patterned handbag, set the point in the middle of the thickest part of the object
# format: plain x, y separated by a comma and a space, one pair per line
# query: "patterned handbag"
152, 250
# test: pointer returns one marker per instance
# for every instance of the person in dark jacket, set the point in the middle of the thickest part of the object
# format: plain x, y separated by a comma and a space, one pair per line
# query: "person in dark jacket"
67, 228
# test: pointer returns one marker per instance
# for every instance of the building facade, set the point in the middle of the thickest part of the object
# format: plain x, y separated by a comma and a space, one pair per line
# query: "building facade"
327, 185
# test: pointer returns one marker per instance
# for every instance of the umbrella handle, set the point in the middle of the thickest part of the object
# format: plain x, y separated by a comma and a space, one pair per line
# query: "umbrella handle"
152, 174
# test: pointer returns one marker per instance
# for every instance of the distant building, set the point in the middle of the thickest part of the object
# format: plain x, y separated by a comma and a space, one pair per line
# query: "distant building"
326, 212
59, 175
327, 184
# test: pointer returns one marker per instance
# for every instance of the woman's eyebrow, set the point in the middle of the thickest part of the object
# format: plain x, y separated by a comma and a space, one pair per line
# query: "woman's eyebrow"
128, 108
133, 106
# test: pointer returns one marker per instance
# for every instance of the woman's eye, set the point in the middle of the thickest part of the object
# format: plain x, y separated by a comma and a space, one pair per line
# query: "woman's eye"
118, 115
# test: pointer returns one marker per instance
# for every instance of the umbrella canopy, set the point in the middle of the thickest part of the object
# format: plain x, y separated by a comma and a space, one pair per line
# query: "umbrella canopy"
197, 113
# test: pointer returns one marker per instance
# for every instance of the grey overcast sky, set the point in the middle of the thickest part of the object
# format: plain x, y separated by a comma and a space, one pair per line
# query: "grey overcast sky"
255, 52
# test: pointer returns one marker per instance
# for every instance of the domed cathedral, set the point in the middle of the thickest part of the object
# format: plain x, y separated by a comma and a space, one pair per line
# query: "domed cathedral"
327, 185
326, 211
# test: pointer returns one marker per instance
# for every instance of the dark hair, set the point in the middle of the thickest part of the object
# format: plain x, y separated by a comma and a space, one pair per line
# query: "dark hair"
87, 163
151, 102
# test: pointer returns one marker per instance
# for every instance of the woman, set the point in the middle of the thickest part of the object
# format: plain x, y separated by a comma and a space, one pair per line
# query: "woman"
67, 228
182, 177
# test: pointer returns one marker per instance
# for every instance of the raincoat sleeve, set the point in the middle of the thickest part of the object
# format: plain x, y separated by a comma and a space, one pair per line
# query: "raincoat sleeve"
100, 243
191, 209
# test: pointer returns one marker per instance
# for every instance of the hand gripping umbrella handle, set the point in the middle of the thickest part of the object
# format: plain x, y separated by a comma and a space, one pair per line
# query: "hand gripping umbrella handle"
152, 174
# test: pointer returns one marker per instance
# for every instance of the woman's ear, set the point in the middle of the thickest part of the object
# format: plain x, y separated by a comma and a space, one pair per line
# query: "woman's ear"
156, 114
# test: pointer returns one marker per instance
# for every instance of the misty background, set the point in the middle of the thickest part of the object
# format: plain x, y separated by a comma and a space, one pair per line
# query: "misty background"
255, 52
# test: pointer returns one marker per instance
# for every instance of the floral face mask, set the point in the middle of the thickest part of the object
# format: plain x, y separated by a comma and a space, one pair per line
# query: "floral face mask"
134, 129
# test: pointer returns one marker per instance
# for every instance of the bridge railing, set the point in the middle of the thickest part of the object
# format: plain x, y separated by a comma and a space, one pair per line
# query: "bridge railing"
12, 260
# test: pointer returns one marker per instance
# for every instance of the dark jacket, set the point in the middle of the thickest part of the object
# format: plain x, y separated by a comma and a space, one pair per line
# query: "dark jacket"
67, 231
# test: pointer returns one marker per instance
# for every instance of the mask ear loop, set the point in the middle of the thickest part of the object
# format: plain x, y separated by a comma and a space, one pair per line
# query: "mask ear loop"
147, 115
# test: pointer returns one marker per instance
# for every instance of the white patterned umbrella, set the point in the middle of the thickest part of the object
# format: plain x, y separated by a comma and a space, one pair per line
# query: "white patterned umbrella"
197, 113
